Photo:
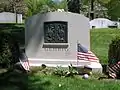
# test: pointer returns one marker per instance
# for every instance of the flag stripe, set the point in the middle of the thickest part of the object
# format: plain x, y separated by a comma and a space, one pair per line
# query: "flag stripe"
84, 54
114, 70
87, 58
25, 65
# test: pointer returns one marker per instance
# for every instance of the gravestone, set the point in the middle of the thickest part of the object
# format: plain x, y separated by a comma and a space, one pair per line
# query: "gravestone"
51, 38
118, 23
7, 17
101, 23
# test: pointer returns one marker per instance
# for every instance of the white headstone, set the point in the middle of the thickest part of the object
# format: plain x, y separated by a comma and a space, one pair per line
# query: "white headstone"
118, 23
100, 23
8, 17
52, 38
19, 18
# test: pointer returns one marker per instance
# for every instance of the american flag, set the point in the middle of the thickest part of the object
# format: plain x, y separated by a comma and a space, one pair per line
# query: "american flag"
25, 65
24, 62
114, 70
84, 54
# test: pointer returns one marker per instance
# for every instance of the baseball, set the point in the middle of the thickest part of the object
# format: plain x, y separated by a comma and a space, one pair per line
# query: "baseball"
85, 76
60, 85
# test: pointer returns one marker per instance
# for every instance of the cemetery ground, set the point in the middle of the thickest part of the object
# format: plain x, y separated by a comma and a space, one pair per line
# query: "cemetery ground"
43, 80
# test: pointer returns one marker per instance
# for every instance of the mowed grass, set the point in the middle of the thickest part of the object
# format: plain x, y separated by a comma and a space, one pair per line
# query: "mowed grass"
53, 82
40, 81
100, 40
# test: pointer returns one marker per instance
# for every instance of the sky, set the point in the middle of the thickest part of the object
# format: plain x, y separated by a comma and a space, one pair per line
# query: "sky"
57, 0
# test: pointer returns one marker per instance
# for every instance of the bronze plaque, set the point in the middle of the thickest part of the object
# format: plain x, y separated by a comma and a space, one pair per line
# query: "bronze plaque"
56, 32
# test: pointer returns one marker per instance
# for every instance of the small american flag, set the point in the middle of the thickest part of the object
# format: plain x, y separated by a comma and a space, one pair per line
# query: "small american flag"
84, 54
24, 62
25, 65
114, 70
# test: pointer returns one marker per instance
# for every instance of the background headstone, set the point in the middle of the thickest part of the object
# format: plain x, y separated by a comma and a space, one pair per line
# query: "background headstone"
101, 23
7, 17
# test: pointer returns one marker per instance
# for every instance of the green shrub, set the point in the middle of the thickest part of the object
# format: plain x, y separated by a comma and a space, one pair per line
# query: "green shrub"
114, 50
8, 49
60, 71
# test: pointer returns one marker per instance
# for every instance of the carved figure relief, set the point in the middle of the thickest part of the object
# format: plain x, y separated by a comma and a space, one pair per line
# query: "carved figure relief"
55, 32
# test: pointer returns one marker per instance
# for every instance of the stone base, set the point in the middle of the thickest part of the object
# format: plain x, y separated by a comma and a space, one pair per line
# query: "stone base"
96, 67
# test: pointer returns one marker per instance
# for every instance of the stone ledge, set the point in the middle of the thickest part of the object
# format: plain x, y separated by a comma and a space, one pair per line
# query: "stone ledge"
96, 67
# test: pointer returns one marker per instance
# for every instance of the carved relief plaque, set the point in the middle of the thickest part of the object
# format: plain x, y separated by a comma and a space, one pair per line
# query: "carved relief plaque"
56, 32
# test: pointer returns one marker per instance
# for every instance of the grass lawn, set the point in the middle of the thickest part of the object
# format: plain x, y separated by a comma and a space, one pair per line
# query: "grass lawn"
38, 81
76, 83
100, 40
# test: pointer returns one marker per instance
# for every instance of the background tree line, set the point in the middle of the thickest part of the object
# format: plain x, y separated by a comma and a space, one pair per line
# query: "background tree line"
102, 8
